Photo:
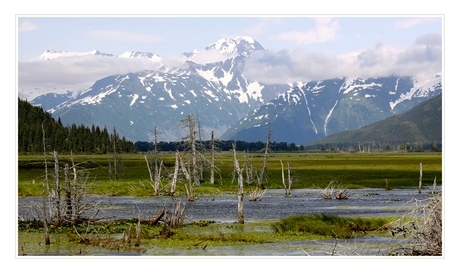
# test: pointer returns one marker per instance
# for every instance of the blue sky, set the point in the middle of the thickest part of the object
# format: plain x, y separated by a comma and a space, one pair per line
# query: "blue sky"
168, 35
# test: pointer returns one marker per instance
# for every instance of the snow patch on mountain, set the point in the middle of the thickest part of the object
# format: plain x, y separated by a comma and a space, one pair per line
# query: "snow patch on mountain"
328, 116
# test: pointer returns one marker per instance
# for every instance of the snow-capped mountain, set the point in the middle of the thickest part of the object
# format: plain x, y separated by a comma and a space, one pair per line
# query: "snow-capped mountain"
218, 92
312, 111
229, 103
240, 46
148, 55
51, 54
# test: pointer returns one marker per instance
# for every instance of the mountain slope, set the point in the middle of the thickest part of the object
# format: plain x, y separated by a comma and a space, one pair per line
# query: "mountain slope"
136, 102
421, 124
314, 110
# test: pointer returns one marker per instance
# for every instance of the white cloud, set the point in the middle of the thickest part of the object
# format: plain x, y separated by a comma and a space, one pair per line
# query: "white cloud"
123, 36
423, 58
27, 26
75, 72
261, 27
420, 21
325, 30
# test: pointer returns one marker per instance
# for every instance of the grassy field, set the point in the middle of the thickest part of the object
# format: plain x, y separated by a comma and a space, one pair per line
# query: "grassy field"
366, 170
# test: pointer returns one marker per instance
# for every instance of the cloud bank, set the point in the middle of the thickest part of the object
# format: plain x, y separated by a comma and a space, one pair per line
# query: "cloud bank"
76, 72
423, 58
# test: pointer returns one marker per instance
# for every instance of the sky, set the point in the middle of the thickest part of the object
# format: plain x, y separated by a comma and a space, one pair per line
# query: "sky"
299, 48
168, 36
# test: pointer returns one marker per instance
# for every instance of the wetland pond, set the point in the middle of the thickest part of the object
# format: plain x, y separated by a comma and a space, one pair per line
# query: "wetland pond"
221, 209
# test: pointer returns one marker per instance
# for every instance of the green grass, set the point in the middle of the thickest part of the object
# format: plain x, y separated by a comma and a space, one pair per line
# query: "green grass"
328, 225
312, 169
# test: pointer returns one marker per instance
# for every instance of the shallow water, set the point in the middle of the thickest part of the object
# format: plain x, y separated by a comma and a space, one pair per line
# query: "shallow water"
222, 208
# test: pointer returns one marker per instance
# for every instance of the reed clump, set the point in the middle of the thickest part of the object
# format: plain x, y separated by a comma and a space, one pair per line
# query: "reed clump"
329, 225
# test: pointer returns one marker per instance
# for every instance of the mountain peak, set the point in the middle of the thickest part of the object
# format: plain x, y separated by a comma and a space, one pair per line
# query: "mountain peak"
51, 54
241, 45
132, 54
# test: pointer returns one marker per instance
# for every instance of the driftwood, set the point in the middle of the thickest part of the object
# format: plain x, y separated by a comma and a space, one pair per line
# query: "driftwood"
257, 195
329, 192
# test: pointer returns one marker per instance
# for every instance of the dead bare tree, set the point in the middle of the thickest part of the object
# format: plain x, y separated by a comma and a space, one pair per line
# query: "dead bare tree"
267, 149
424, 225
174, 179
239, 172
70, 207
190, 139
291, 177
212, 158
118, 161
201, 148
282, 177
45, 225
189, 189
420, 181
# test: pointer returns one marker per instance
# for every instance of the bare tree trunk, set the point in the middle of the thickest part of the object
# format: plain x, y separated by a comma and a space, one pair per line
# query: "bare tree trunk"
267, 145
138, 232
282, 176
420, 181
148, 168
192, 141
74, 199
46, 180
156, 156
129, 234
290, 176
68, 192
110, 167
158, 179
212, 158
201, 147
114, 154
45, 224
240, 187
176, 171
57, 200
186, 173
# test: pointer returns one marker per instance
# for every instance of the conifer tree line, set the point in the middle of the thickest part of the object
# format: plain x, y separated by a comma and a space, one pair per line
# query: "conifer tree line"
63, 139
224, 145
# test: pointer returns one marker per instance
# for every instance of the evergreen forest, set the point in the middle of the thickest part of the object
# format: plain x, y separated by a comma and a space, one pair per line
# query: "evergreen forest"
33, 121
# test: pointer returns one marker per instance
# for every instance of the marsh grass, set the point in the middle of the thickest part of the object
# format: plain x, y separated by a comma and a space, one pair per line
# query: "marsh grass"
312, 169
329, 225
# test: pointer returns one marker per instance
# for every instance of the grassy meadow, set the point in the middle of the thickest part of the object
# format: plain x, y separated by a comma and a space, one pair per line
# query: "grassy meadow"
352, 170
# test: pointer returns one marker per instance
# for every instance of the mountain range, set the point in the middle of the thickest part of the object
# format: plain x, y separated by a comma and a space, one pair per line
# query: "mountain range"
421, 124
317, 109
227, 102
